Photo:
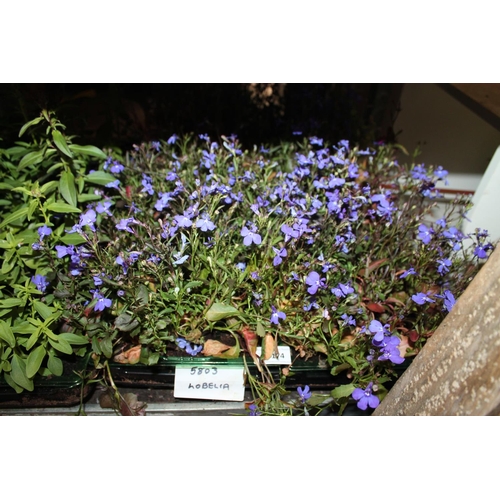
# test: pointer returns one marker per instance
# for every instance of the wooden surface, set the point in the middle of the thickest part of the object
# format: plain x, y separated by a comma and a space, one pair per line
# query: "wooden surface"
458, 370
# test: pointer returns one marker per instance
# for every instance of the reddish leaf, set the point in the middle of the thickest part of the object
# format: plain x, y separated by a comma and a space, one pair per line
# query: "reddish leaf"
374, 307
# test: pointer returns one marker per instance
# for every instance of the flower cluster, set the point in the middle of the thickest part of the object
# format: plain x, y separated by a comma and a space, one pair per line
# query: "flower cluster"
331, 249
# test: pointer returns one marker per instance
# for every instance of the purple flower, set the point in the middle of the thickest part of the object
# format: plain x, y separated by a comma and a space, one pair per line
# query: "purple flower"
379, 330
102, 302
342, 290
113, 184
253, 410
40, 282
425, 233
183, 220
44, 231
421, 298
480, 251
280, 254
147, 185
304, 394
407, 273
62, 250
276, 315
314, 281
204, 223
172, 139
348, 320
117, 167
103, 207
156, 145
250, 236
365, 397
123, 224
449, 300
444, 266
193, 350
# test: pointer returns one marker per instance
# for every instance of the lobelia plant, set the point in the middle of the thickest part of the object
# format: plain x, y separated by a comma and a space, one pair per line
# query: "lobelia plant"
194, 247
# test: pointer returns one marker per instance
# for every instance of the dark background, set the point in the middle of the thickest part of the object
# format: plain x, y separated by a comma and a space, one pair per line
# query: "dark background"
121, 114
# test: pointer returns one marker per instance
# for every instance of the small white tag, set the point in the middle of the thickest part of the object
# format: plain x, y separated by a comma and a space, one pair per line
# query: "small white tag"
222, 383
283, 357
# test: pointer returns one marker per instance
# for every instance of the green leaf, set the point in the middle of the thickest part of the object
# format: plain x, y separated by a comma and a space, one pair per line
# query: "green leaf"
43, 309
22, 212
73, 239
220, 311
31, 123
11, 382
88, 150
343, 391
34, 361
31, 159
99, 177
6, 334
61, 144
61, 345
18, 373
107, 347
11, 302
67, 187
126, 323
84, 198
73, 338
62, 208
55, 365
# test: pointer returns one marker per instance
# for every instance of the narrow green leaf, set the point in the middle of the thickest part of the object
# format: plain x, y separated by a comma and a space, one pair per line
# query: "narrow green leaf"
220, 311
34, 361
62, 208
31, 123
99, 177
88, 150
67, 187
18, 214
6, 334
61, 143
31, 159
18, 373
73, 338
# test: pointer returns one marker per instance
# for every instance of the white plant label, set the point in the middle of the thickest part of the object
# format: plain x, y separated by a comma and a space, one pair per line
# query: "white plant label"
282, 357
222, 383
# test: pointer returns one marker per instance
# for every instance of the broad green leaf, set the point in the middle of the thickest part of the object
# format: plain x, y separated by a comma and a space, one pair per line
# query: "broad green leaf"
107, 347
22, 212
61, 345
31, 123
55, 365
73, 338
67, 187
61, 143
6, 334
220, 311
99, 177
88, 150
43, 309
11, 302
48, 187
11, 382
33, 339
34, 361
18, 373
73, 239
31, 159
343, 391
126, 323
62, 208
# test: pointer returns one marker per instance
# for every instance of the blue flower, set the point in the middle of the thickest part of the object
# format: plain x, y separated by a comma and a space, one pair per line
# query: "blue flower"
365, 397
253, 410
304, 394
444, 266
378, 329
102, 302
276, 315
407, 273
172, 139
314, 281
123, 224
250, 236
421, 298
103, 207
40, 282
113, 184
280, 254
204, 223
342, 290
425, 233
44, 231
156, 145
183, 220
